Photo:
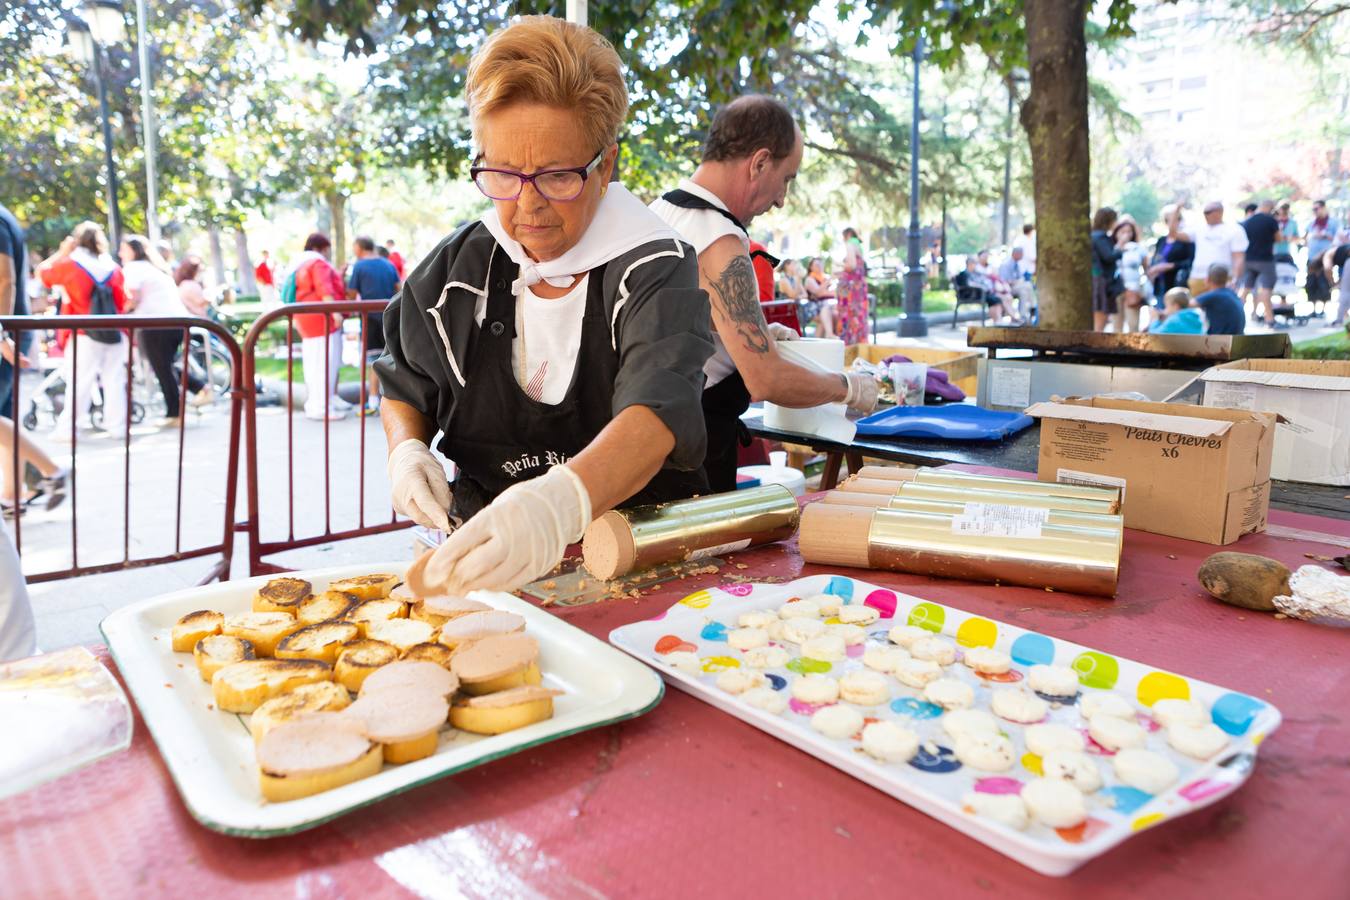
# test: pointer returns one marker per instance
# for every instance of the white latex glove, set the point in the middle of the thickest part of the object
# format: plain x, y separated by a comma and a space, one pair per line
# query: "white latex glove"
417, 485
780, 332
862, 392
515, 539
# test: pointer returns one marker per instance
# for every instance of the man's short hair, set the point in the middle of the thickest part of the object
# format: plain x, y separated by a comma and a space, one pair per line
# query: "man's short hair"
1177, 296
747, 124
1213, 206
1319, 203
1218, 274
1028, 228
366, 244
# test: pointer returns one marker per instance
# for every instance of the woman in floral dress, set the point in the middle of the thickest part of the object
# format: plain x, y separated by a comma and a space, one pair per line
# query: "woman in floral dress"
852, 291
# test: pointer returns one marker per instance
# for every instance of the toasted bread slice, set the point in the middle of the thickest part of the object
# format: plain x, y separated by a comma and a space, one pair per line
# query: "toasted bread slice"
430, 652
405, 720
244, 686
367, 587
264, 630
312, 753
439, 610
402, 633
418, 612
504, 711
322, 696
216, 651
282, 595
357, 659
321, 642
375, 611
497, 663
190, 629
325, 607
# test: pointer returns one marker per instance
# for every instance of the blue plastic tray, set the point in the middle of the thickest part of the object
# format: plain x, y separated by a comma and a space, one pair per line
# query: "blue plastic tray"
956, 422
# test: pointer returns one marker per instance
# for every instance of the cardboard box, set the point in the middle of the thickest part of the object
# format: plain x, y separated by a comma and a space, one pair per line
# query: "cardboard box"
1191, 472
1312, 396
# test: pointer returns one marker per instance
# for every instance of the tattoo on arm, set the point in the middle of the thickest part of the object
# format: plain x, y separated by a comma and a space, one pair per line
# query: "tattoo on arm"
738, 292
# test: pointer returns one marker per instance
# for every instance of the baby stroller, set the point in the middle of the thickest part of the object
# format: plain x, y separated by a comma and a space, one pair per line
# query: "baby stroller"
50, 399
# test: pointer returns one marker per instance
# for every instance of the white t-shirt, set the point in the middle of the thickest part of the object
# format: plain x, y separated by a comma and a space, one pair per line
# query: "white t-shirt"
156, 293
1216, 244
1027, 243
701, 227
552, 340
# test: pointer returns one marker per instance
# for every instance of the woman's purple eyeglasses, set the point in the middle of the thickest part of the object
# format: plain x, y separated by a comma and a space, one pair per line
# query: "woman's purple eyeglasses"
552, 184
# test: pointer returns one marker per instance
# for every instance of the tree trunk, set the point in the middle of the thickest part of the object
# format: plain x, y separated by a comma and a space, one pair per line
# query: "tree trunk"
248, 283
1055, 117
217, 257
337, 212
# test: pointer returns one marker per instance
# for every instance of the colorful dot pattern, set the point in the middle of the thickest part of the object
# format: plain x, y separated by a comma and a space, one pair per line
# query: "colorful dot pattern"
1234, 713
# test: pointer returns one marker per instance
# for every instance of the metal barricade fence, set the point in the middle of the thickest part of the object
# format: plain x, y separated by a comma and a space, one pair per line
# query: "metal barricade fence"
78, 343
259, 544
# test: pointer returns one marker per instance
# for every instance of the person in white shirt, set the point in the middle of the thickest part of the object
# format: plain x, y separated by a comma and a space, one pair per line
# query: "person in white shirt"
750, 158
1026, 242
1216, 243
152, 293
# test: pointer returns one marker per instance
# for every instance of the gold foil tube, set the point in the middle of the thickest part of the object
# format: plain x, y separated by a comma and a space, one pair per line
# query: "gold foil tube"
1064, 557
1113, 523
963, 480
622, 541
977, 494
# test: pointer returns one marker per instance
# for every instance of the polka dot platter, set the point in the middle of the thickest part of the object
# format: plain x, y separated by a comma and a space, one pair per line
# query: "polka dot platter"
976, 720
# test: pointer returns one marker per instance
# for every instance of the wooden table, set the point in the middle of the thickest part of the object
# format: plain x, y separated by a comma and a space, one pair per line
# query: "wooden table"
687, 801
1019, 452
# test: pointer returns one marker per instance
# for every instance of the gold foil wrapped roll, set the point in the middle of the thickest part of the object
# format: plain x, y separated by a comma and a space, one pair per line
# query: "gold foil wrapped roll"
978, 493
1075, 558
1113, 523
966, 481
626, 540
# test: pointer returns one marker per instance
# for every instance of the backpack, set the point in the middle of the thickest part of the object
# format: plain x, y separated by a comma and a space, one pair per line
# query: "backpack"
288, 288
101, 303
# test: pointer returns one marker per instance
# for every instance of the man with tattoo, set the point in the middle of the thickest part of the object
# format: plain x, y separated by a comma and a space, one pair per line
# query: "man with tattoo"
750, 157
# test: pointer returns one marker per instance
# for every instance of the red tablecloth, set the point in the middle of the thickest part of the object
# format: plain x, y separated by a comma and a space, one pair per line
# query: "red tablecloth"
687, 801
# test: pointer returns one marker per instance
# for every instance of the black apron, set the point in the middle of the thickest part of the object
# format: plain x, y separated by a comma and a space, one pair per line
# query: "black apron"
498, 436
724, 402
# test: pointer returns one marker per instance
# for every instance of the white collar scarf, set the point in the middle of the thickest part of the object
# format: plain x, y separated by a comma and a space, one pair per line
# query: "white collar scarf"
621, 223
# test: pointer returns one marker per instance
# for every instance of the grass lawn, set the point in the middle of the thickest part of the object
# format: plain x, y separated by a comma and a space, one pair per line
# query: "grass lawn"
1329, 346
276, 368
933, 302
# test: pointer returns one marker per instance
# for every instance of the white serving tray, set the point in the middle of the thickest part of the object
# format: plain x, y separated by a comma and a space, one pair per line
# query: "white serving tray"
1115, 813
210, 754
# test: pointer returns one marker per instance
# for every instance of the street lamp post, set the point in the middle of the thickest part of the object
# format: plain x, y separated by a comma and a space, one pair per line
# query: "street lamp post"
912, 323
101, 25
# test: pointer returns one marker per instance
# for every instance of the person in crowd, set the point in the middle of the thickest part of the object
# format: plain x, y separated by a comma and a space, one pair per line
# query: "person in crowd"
1178, 317
1336, 263
1222, 307
1026, 242
1131, 270
1106, 284
1320, 237
266, 278
973, 281
557, 343
190, 291
151, 292
372, 277
395, 258
792, 286
93, 285
51, 486
1248, 209
14, 281
1288, 238
819, 291
763, 263
1001, 289
316, 281
165, 251
1216, 243
1021, 290
1262, 230
1170, 264
851, 302
750, 158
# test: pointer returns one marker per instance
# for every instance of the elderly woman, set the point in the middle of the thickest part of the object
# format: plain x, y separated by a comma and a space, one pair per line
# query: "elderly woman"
557, 344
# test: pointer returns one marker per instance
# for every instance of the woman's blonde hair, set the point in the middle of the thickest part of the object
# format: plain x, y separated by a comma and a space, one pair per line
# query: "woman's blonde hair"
553, 62
1177, 296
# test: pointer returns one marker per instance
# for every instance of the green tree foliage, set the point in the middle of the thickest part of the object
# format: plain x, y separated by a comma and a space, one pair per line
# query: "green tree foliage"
1141, 201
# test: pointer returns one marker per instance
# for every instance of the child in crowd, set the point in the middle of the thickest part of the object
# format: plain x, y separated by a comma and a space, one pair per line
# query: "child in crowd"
1178, 316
